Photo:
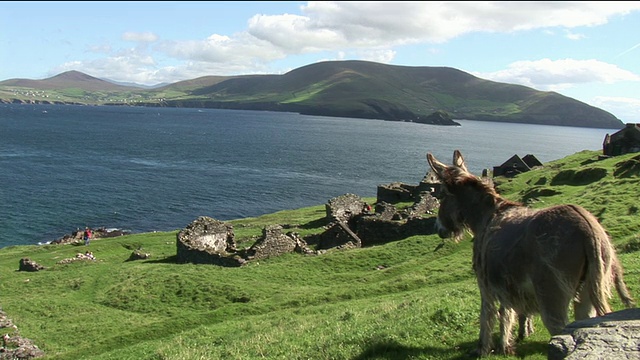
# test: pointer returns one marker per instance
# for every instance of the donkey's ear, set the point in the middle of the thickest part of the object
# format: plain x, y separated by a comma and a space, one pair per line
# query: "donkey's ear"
436, 165
458, 160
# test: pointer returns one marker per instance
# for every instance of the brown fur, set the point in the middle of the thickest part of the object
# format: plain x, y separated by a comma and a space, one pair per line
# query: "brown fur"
528, 261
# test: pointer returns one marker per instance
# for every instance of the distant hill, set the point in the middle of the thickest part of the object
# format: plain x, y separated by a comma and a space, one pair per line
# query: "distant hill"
66, 80
351, 89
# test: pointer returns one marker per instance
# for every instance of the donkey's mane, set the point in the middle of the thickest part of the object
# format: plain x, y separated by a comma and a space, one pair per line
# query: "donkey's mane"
461, 178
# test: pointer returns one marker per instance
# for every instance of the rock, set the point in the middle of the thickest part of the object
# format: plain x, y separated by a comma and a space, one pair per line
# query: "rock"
27, 264
612, 336
138, 255
439, 117
14, 346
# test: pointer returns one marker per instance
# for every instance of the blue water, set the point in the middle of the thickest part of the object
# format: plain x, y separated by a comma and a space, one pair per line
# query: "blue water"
147, 169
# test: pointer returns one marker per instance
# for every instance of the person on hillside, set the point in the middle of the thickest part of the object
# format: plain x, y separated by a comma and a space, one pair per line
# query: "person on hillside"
87, 235
366, 208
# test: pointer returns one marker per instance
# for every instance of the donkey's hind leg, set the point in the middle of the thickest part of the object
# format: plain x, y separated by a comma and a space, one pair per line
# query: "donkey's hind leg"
525, 326
583, 306
507, 320
553, 303
488, 314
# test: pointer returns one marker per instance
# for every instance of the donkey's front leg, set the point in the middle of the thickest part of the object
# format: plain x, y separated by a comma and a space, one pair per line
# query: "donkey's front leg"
507, 320
487, 320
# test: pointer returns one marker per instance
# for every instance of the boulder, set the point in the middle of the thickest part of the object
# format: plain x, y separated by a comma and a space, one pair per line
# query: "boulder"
612, 336
27, 264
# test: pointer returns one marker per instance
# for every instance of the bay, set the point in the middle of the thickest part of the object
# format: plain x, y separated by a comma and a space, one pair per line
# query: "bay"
64, 167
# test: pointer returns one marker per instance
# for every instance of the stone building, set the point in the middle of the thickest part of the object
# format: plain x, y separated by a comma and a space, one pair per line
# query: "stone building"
625, 141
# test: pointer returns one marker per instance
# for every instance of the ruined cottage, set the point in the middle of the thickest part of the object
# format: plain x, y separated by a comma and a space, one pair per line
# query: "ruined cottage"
516, 165
625, 141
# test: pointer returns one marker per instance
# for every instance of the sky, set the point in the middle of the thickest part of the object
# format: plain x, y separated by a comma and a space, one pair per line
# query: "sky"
589, 51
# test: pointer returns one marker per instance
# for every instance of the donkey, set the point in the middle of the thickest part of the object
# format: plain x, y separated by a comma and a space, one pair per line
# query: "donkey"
528, 261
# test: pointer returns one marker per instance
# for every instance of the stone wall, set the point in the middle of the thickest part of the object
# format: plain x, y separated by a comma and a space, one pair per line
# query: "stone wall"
344, 207
273, 243
207, 241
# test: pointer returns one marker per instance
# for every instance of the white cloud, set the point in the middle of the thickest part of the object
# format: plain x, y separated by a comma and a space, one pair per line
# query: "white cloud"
126, 67
626, 109
365, 28
241, 49
139, 37
362, 30
555, 75
331, 25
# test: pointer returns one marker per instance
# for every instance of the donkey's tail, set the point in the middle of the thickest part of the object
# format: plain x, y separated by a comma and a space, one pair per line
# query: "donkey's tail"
621, 287
603, 268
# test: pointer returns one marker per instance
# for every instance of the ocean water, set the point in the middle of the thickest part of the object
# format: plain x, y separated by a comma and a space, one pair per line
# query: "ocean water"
64, 167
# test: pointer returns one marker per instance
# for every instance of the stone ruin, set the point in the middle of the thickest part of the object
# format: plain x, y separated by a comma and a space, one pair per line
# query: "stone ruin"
386, 224
15, 346
207, 241
274, 243
343, 208
400, 192
350, 225
210, 241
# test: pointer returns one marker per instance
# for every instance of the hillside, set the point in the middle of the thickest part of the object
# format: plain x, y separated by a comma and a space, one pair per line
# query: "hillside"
352, 89
67, 80
415, 298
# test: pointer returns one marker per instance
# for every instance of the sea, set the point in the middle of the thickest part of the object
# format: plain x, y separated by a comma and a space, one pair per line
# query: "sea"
144, 169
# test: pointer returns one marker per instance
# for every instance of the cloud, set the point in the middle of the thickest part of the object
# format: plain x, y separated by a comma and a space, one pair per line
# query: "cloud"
367, 27
555, 75
358, 30
139, 37
627, 109
332, 25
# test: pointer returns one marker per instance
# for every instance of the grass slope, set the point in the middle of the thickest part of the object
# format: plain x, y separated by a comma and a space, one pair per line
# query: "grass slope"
423, 304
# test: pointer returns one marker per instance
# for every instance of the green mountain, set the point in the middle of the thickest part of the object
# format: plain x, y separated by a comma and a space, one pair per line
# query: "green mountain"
352, 89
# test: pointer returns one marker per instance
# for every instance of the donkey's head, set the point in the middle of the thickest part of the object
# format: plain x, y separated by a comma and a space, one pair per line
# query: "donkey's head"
467, 200
451, 221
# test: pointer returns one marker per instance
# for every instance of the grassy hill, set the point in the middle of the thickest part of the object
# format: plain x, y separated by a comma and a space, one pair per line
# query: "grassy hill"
409, 299
355, 89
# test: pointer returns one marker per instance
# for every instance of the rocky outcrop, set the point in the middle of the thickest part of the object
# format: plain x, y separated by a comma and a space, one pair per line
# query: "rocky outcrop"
439, 117
99, 233
613, 336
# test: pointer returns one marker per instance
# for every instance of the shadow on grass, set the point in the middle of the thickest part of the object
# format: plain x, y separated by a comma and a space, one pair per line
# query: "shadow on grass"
314, 224
392, 350
168, 260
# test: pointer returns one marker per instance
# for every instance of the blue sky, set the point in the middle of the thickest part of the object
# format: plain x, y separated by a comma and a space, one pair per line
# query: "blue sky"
589, 51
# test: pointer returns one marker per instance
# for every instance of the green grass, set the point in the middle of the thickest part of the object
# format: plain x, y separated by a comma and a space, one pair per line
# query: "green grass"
423, 304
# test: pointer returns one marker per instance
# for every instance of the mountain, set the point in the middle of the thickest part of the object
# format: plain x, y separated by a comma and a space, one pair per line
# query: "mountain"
352, 89
67, 80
